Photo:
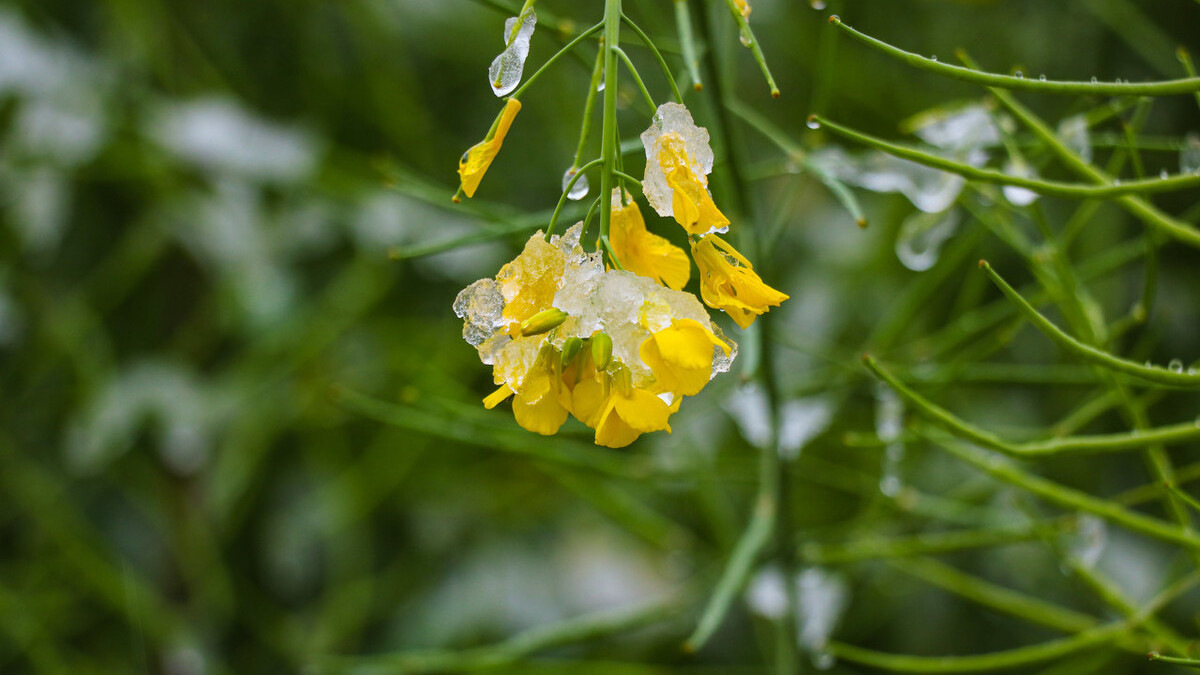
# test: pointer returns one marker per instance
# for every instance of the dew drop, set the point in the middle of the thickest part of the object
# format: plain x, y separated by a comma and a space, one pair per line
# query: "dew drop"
745, 40
1163, 174
921, 237
1019, 75
1095, 79
1189, 154
580, 189
1175, 366
824, 660
933, 57
813, 123
1042, 77
817, 4
505, 71
1116, 181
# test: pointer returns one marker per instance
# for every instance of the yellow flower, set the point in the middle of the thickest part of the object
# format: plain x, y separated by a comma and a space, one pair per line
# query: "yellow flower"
642, 252
691, 205
475, 162
728, 282
541, 402
681, 356
618, 412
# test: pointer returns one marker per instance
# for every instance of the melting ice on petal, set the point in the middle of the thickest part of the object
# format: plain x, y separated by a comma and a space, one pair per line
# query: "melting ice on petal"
673, 118
505, 71
1086, 542
580, 189
1189, 154
1074, 133
822, 596
1019, 196
921, 236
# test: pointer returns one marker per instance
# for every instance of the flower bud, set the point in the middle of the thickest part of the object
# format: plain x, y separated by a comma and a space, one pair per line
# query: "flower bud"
570, 350
601, 350
543, 321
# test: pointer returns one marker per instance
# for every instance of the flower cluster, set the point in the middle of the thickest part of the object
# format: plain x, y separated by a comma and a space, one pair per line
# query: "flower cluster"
616, 347
678, 161
565, 336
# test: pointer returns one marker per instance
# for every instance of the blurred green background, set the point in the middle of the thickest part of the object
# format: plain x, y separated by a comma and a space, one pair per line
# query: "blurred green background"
197, 205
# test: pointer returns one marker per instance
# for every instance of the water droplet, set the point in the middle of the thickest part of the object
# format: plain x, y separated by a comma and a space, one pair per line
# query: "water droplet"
920, 240
505, 71
1189, 154
1019, 196
745, 40
1095, 79
817, 4
1076, 135
1175, 366
933, 57
1019, 74
1116, 181
813, 123
822, 596
1147, 364
1163, 174
1085, 543
823, 660
580, 189
1191, 371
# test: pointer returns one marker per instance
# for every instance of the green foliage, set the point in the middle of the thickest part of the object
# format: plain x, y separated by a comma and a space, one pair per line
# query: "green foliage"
239, 431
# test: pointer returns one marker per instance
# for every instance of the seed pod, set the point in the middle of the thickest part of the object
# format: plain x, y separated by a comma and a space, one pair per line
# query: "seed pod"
601, 350
570, 350
543, 321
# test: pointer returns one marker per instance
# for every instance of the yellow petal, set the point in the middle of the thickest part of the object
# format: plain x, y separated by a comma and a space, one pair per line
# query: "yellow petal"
542, 416
643, 411
475, 162
680, 357
588, 400
728, 282
612, 431
644, 253
493, 399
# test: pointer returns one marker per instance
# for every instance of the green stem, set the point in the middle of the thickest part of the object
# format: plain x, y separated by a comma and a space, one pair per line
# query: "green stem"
1012, 658
1156, 374
683, 23
589, 105
637, 78
748, 39
1186, 663
1181, 181
1186, 59
1009, 472
558, 55
657, 55
1138, 207
526, 644
608, 136
883, 548
1166, 87
1179, 433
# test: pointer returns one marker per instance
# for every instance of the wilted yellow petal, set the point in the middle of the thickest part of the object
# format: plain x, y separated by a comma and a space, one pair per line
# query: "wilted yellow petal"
728, 282
493, 399
475, 162
644, 253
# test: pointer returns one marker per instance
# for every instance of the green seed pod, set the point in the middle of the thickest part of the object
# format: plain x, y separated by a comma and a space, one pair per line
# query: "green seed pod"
543, 321
570, 350
601, 350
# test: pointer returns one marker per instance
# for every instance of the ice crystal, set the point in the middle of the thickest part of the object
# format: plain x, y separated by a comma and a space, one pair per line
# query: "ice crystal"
673, 118
505, 71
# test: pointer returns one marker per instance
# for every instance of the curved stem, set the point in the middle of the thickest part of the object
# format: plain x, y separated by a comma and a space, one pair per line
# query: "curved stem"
657, 55
1151, 373
748, 39
1182, 86
1181, 181
637, 78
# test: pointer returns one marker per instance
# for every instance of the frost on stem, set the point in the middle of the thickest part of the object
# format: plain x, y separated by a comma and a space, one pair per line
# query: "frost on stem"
505, 71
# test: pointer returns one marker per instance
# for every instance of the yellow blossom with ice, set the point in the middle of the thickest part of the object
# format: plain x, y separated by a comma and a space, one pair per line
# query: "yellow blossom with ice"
678, 161
619, 353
